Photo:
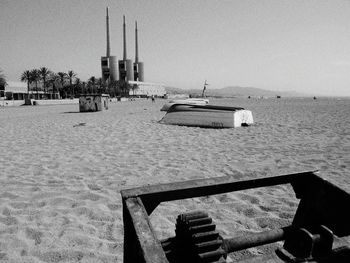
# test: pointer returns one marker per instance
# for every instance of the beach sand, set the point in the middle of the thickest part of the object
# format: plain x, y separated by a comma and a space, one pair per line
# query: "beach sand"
61, 171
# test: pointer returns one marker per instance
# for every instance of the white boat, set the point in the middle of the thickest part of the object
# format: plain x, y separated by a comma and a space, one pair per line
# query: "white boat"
191, 101
208, 116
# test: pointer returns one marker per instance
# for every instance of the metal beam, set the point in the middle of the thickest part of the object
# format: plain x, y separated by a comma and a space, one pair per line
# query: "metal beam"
140, 241
155, 194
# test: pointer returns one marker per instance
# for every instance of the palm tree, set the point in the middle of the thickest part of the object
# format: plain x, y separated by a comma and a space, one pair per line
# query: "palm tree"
2, 83
2, 80
84, 87
26, 77
113, 88
62, 77
92, 81
53, 79
124, 87
71, 75
44, 73
35, 77
102, 85
78, 85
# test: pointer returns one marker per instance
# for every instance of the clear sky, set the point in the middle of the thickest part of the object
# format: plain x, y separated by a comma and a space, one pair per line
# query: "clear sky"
300, 45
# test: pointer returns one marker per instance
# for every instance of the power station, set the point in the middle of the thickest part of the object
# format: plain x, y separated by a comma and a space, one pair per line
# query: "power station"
108, 63
125, 65
128, 71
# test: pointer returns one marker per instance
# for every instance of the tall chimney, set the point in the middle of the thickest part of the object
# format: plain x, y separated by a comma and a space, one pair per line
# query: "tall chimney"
136, 45
107, 28
124, 36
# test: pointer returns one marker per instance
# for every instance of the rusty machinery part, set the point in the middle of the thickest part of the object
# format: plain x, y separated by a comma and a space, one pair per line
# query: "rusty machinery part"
197, 238
196, 233
198, 241
303, 244
320, 246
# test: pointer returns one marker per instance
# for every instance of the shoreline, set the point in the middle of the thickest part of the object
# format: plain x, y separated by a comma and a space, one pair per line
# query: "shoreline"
17, 103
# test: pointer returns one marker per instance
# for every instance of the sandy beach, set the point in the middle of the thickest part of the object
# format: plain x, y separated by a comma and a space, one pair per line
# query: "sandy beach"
62, 171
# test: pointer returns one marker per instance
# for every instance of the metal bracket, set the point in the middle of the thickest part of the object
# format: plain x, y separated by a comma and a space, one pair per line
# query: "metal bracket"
316, 207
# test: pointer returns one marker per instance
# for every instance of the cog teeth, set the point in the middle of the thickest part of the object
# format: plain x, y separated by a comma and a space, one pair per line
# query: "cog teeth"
212, 256
197, 239
208, 246
202, 228
199, 221
205, 237
185, 218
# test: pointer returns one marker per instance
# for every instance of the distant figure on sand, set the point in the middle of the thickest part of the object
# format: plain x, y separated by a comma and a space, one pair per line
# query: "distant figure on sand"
153, 100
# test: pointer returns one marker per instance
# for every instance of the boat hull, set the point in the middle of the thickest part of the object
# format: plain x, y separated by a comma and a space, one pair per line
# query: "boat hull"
195, 101
207, 116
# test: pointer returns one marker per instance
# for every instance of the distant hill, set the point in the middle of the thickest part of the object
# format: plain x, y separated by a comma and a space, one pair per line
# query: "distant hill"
235, 91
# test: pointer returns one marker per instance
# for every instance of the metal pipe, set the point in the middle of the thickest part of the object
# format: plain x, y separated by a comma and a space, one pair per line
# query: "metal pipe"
256, 239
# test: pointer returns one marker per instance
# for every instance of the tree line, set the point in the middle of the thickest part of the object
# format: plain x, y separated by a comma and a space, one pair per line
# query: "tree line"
68, 85
2, 80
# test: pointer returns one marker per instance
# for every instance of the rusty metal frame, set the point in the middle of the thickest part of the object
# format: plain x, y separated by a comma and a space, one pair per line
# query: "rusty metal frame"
142, 245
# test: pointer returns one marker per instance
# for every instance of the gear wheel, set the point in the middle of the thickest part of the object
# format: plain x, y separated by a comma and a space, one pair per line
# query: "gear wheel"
197, 239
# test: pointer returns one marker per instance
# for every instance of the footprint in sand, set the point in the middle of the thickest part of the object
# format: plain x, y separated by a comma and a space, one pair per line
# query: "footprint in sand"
250, 212
8, 220
90, 196
271, 222
19, 205
63, 255
113, 207
250, 198
3, 256
8, 195
34, 234
94, 187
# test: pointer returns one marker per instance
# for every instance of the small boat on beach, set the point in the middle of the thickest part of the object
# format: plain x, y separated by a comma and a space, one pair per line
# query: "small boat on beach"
191, 101
207, 116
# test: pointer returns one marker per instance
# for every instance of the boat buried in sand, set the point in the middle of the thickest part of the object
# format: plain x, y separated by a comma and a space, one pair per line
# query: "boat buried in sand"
191, 101
207, 116
198, 113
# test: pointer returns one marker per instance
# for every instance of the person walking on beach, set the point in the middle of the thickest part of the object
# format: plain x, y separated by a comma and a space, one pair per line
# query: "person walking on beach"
153, 100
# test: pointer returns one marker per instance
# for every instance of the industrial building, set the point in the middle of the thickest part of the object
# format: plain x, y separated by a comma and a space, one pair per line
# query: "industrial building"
125, 65
108, 63
129, 72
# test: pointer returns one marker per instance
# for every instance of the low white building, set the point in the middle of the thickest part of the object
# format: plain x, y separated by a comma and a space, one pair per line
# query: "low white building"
14, 90
19, 91
146, 89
